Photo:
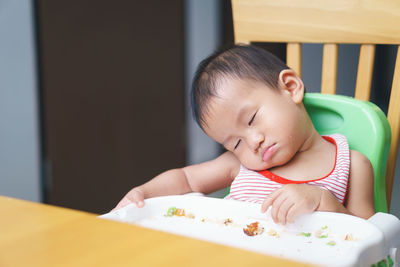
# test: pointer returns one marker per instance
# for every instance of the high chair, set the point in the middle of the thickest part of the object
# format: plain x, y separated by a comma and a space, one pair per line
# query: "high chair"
364, 22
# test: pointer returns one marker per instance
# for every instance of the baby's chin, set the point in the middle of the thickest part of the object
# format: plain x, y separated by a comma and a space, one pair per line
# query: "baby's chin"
261, 165
257, 166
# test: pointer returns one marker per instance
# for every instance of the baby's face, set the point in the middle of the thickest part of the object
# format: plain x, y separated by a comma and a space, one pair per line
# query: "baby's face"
263, 127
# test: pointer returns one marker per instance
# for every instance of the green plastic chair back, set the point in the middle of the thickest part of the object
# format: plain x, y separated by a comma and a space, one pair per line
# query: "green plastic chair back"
365, 126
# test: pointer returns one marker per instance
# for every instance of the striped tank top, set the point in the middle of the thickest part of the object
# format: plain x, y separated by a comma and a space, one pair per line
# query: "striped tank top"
253, 186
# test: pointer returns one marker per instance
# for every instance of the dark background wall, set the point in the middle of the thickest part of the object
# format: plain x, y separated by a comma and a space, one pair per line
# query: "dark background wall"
112, 92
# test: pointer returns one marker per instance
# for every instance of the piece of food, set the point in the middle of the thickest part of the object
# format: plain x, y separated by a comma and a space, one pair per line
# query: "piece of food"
322, 233
272, 232
349, 237
253, 229
171, 212
228, 221
305, 234
331, 243
190, 216
179, 212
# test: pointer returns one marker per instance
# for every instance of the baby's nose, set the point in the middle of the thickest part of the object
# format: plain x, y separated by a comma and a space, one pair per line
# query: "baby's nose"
255, 140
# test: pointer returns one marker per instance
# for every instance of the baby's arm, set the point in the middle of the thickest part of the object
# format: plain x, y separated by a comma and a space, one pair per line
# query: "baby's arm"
206, 177
360, 188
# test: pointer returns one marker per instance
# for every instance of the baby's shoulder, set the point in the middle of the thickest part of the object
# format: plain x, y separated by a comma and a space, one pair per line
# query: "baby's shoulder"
230, 162
359, 158
360, 164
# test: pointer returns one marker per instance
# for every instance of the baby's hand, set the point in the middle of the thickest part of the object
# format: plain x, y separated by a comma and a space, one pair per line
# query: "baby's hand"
134, 196
292, 200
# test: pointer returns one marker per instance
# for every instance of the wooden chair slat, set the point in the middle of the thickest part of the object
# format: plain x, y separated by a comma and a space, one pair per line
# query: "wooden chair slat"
365, 71
329, 69
293, 57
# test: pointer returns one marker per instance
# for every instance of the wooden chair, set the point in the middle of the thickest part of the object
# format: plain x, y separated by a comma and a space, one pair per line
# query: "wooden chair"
364, 22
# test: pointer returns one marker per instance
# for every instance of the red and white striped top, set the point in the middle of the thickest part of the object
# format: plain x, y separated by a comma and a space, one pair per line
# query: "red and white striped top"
253, 186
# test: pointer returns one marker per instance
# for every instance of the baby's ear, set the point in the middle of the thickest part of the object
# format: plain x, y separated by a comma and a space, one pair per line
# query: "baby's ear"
292, 84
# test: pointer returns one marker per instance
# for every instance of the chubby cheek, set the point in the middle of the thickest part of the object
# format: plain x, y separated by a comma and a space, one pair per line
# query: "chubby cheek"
285, 155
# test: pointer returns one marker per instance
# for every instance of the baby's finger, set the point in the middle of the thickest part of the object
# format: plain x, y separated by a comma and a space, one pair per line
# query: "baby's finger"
283, 211
276, 206
140, 204
293, 213
137, 199
266, 204
124, 202
269, 200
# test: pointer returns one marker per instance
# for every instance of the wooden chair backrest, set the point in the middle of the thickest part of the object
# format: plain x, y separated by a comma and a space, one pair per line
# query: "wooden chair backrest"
330, 22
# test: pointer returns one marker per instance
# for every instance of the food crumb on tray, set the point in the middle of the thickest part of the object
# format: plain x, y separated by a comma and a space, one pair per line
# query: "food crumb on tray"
274, 233
253, 229
349, 237
228, 221
173, 211
331, 243
305, 234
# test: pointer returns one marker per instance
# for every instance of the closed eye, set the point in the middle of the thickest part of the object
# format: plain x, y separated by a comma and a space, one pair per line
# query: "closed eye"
237, 144
252, 119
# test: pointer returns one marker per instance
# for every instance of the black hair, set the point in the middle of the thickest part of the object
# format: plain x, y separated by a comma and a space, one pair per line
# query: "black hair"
237, 61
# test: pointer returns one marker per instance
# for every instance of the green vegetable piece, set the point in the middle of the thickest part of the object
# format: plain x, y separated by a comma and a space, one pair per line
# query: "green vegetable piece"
171, 211
324, 227
323, 236
331, 243
305, 234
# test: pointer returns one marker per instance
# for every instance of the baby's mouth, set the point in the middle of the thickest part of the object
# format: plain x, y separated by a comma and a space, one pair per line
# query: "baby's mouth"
268, 152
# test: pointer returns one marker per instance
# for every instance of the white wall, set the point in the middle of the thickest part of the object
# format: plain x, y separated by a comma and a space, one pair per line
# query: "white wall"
19, 141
